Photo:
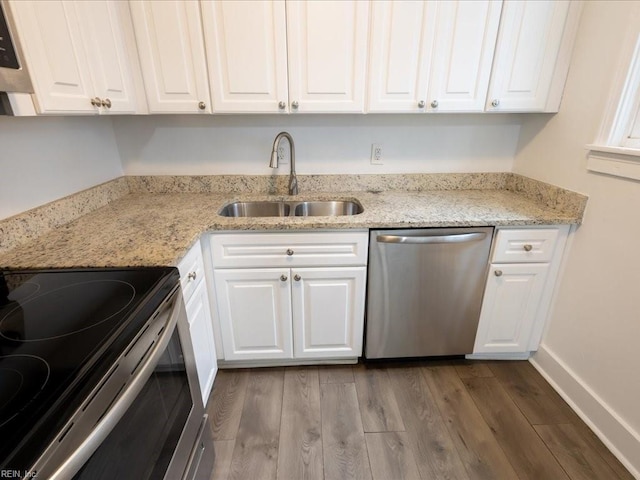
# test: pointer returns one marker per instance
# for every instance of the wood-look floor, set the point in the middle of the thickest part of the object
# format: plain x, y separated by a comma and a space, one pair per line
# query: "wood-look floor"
419, 420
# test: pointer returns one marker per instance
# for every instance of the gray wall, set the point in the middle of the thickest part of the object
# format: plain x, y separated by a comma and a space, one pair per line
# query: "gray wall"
43, 159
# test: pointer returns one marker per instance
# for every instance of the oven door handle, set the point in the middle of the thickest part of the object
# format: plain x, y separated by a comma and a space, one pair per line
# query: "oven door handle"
104, 427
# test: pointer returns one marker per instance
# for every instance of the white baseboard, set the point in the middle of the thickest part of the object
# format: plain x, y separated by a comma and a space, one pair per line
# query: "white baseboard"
615, 433
498, 356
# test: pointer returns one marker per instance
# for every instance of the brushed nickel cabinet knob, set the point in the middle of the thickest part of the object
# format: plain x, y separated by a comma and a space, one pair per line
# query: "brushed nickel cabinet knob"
434, 104
527, 247
289, 252
106, 103
96, 101
498, 273
202, 105
283, 278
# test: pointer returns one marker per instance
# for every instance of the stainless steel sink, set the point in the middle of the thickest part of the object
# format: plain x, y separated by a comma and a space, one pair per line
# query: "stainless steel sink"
256, 209
267, 208
329, 208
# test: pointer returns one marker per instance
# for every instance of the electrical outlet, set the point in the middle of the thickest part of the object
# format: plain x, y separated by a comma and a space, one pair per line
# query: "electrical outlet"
376, 154
282, 158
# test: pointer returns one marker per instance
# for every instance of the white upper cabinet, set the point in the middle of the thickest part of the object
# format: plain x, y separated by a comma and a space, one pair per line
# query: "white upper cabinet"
297, 56
327, 53
106, 27
172, 55
247, 55
430, 56
465, 39
402, 34
77, 53
532, 55
293, 56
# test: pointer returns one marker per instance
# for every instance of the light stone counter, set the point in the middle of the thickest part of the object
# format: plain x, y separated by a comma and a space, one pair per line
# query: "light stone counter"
137, 229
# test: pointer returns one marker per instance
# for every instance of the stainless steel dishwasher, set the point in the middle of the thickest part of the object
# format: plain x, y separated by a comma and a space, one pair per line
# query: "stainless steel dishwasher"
425, 290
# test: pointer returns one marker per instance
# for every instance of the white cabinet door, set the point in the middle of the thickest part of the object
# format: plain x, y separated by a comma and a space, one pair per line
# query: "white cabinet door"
510, 307
255, 313
52, 42
465, 39
77, 51
246, 44
402, 34
201, 330
194, 291
328, 312
172, 57
104, 26
327, 42
528, 54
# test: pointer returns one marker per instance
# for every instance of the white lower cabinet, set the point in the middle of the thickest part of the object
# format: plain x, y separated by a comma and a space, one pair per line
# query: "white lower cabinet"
194, 290
525, 264
255, 313
328, 311
511, 301
204, 349
300, 310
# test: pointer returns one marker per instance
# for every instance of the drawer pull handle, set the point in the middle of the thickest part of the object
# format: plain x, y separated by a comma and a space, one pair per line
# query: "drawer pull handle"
297, 277
289, 252
192, 275
283, 278
498, 273
527, 248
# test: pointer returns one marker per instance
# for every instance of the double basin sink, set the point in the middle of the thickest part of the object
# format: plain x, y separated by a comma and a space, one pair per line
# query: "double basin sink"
270, 208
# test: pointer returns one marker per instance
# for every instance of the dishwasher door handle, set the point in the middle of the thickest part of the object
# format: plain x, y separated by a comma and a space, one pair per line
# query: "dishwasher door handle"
454, 238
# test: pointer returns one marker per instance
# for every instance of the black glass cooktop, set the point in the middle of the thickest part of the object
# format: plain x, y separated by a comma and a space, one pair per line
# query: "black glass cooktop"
60, 330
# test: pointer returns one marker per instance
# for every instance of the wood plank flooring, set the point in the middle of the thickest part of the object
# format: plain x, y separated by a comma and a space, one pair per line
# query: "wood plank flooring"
427, 420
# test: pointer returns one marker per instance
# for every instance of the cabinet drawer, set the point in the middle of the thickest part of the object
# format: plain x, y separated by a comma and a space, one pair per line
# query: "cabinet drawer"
525, 245
191, 269
289, 249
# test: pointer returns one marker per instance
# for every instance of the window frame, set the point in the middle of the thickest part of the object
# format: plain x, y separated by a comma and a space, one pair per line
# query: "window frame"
615, 151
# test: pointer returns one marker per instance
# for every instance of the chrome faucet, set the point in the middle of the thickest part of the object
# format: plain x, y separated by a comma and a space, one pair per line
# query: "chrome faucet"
293, 180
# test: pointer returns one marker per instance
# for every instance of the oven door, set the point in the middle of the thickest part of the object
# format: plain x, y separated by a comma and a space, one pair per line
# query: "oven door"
155, 428
156, 436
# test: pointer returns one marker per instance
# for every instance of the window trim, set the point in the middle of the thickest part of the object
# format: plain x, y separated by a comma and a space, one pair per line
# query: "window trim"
613, 152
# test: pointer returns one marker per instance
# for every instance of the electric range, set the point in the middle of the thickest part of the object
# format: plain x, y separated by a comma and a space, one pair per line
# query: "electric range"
61, 333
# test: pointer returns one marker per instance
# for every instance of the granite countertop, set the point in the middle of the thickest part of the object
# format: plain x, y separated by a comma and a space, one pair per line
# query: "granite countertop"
149, 229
